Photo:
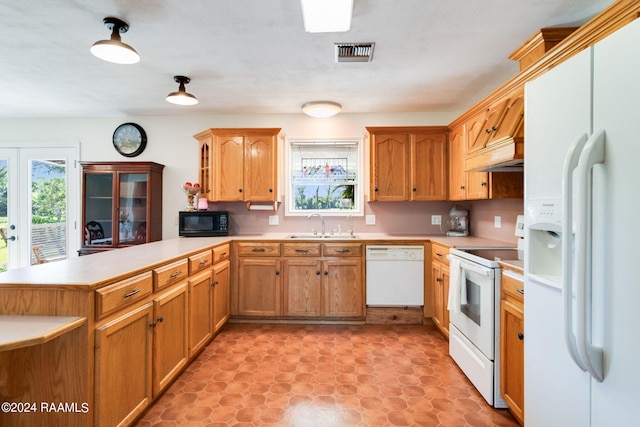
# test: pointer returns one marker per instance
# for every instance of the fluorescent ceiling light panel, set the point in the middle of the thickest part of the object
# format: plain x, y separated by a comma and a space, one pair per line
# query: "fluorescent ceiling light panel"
327, 16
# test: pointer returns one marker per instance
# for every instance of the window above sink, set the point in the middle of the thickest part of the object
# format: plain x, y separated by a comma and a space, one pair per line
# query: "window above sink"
324, 176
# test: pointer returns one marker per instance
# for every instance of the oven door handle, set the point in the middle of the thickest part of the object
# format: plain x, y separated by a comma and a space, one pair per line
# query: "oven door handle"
475, 268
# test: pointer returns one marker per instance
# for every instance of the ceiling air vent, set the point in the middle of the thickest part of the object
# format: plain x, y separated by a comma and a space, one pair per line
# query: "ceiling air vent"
354, 52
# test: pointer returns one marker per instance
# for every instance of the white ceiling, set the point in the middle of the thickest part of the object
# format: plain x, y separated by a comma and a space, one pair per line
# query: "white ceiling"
253, 56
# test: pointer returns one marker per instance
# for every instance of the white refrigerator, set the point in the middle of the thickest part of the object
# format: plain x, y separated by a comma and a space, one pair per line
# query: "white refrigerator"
582, 234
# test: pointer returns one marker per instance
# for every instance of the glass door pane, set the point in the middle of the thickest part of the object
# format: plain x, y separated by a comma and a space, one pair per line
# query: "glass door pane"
133, 208
98, 208
8, 208
48, 210
37, 203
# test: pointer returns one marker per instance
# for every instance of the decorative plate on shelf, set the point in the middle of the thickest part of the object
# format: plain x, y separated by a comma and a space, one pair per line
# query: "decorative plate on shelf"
129, 139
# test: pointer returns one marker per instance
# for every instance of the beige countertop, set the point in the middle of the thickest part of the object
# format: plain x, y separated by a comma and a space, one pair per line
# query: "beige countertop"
24, 331
98, 268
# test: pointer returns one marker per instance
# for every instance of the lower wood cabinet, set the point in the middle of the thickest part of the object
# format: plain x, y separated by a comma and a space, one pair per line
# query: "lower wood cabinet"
512, 341
144, 340
440, 284
302, 287
221, 294
259, 287
343, 290
309, 280
123, 367
138, 354
170, 333
200, 311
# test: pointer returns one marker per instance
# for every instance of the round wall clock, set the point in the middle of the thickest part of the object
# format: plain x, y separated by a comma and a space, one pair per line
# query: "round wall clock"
129, 139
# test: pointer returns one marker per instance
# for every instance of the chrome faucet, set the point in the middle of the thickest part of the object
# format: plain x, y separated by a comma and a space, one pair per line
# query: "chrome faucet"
350, 219
321, 219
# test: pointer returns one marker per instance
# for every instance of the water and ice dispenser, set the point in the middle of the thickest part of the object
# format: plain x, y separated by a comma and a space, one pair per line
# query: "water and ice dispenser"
544, 239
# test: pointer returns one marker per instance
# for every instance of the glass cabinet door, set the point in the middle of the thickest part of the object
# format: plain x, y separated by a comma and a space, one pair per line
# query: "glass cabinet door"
98, 209
132, 210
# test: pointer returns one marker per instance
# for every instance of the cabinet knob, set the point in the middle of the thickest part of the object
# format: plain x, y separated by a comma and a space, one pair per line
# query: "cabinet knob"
160, 319
375, 188
414, 189
462, 187
438, 280
277, 273
326, 273
271, 190
239, 190
520, 336
484, 184
318, 273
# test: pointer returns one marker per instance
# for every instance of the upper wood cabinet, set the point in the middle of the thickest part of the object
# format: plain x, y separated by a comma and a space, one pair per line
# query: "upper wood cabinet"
121, 204
408, 163
239, 164
477, 185
495, 136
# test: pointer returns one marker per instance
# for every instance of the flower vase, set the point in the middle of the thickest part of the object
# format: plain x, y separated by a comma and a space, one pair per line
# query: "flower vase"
190, 202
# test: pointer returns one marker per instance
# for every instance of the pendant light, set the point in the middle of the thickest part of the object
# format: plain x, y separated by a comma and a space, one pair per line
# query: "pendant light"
182, 97
113, 50
321, 109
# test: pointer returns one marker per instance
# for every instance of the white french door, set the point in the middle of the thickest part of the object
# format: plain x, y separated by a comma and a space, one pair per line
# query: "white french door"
38, 205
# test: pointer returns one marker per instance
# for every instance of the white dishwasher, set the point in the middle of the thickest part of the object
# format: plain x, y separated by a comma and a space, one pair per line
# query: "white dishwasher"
395, 275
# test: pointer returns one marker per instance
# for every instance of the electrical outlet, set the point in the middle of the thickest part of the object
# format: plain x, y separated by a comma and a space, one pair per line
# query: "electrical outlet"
436, 219
370, 220
273, 219
497, 221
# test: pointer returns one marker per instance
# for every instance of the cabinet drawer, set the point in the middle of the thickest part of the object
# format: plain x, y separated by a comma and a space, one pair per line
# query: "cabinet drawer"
122, 293
258, 249
439, 253
512, 285
301, 249
200, 261
342, 249
170, 274
221, 253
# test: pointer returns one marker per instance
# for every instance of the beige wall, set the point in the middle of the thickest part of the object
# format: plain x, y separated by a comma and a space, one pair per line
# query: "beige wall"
170, 142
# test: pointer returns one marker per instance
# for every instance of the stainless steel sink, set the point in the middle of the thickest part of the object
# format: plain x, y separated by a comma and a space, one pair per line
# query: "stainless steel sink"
326, 236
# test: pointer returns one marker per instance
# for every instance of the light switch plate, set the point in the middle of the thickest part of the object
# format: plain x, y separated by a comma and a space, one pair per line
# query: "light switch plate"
370, 220
436, 219
273, 219
497, 221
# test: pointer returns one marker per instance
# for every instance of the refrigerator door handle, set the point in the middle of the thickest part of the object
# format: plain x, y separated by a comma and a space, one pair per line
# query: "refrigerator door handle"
592, 154
570, 163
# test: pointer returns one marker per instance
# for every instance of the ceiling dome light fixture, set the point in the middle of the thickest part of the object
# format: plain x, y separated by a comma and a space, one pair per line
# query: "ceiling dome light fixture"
321, 109
182, 97
114, 50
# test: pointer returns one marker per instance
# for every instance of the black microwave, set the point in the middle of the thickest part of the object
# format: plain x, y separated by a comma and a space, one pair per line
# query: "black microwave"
203, 223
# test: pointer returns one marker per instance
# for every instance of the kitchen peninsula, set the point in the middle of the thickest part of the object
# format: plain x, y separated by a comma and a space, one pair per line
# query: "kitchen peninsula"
148, 295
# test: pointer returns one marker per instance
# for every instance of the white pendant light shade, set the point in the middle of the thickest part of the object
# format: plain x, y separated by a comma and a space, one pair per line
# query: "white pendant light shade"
182, 97
321, 109
327, 16
113, 50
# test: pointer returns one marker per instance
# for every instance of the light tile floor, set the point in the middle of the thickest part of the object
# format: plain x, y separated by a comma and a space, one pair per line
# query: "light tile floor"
324, 375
